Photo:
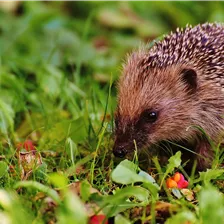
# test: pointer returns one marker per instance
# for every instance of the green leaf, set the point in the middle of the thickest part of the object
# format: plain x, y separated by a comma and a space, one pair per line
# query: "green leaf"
50, 79
174, 162
114, 204
85, 190
177, 193
72, 210
58, 180
147, 176
38, 186
149, 183
182, 217
15, 211
211, 205
75, 129
209, 175
6, 117
3, 168
40, 172
112, 210
125, 173
139, 192
119, 219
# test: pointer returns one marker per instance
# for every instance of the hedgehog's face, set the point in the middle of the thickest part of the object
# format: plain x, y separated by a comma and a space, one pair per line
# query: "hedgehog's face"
154, 108
133, 133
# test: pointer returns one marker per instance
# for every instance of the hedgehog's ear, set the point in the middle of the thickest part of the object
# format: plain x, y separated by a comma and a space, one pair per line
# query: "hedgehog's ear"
189, 76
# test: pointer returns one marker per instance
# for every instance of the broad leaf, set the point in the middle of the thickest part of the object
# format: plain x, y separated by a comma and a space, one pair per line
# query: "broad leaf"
125, 173
209, 175
211, 206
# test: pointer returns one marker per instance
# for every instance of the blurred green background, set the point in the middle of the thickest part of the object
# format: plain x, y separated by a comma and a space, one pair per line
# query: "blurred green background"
57, 58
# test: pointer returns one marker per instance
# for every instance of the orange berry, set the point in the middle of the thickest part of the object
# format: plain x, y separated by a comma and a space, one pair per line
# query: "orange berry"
177, 176
170, 183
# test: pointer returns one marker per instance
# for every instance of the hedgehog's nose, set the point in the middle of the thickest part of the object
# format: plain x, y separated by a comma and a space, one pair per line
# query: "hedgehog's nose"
119, 151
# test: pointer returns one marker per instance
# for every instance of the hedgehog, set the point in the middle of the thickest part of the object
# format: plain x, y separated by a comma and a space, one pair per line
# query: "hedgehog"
174, 92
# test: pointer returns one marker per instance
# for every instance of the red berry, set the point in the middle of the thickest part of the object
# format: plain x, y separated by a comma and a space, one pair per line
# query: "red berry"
182, 184
177, 181
27, 145
98, 219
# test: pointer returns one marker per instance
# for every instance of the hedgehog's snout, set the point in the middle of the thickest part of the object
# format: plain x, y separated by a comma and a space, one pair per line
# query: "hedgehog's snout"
119, 151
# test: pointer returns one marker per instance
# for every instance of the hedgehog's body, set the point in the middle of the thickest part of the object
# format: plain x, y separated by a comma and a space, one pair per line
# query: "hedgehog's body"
167, 90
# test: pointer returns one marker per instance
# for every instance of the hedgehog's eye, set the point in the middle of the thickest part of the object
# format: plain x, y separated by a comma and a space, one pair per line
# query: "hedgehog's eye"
150, 116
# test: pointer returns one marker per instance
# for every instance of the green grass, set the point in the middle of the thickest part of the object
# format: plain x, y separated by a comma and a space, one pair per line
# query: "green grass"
59, 63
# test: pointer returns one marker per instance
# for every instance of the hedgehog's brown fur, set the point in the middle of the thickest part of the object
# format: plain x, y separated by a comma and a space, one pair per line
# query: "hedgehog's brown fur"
180, 77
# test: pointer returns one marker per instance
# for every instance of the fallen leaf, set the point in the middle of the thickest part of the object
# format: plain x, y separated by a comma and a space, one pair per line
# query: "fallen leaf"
28, 161
163, 210
189, 195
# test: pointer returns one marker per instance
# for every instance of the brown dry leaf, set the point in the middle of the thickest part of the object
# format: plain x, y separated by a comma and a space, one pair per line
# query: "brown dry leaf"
80, 170
100, 43
39, 195
12, 170
189, 195
102, 78
28, 161
92, 209
76, 188
50, 202
2, 157
106, 117
49, 153
51, 222
163, 210
48, 208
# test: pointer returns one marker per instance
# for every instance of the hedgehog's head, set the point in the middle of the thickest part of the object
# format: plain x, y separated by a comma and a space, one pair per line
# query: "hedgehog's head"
154, 104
